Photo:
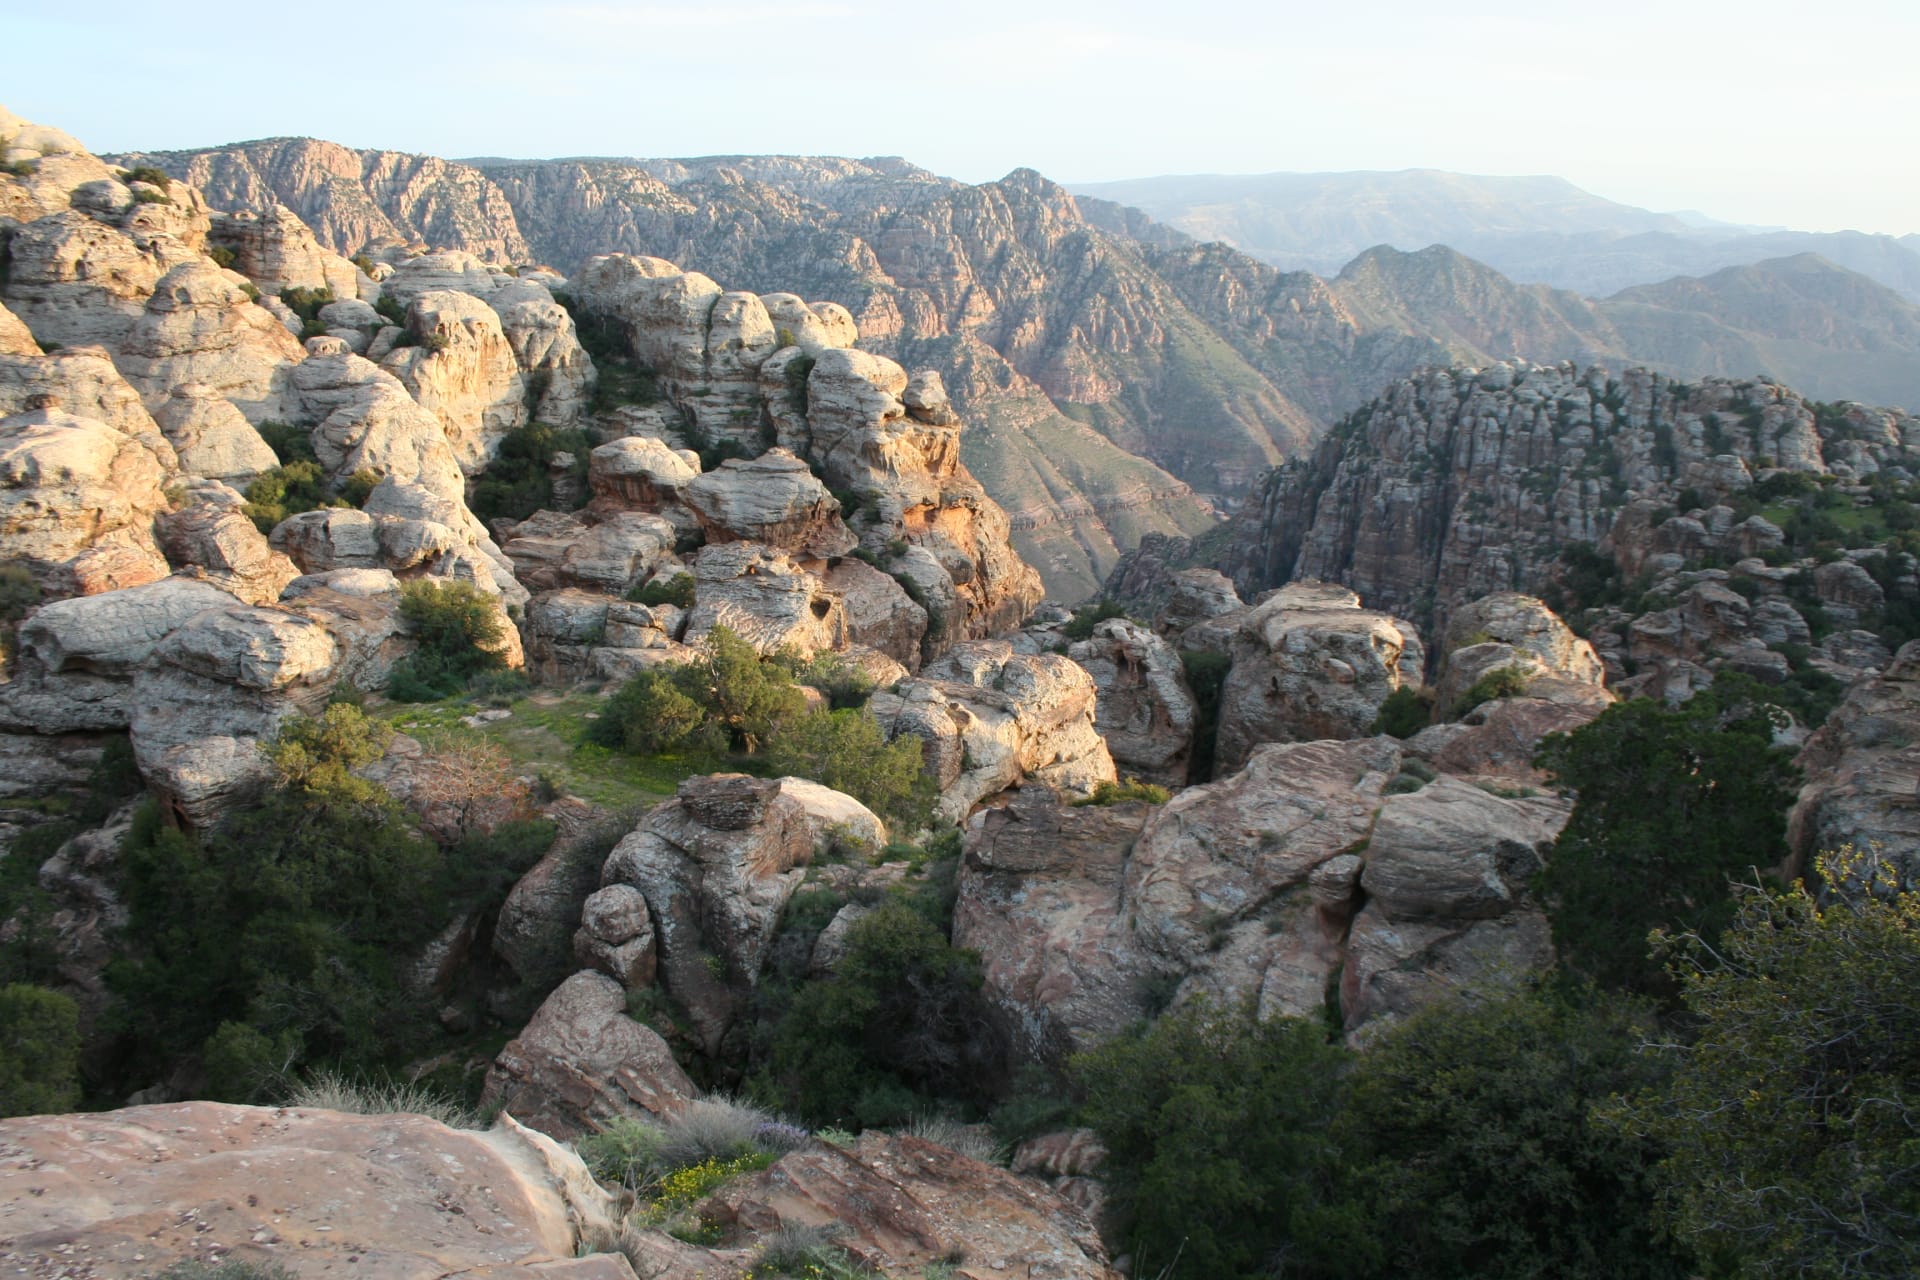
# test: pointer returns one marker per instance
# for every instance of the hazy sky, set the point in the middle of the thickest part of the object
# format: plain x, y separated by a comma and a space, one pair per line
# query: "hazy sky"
1788, 112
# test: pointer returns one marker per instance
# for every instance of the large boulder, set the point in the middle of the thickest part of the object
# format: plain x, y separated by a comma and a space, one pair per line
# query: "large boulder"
772, 499
582, 1063
201, 327
1323, 874
1860, 768
362, 419
880, 613
212, 438
76, 658
77, 502
900, 1204
716, 864
211, 537
765, 598
84, 382
216, 688
276, 250
1308, 663
991, 718
116, 1194
464, 371
1144, 710
74, 281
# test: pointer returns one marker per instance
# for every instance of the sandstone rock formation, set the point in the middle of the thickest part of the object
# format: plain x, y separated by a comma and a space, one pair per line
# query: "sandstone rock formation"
77, 502
1322, 872
1144, 709
199, 326
117, 1193
582, 1063
900, 1203
1860, 768
716, 866
992, 718
1308, 663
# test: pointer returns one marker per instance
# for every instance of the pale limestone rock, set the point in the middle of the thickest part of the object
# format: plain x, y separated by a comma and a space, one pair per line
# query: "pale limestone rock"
717, 865
82, 381
1512, 630
211, 437
59, 164
452, 270
992, 718
1308, 663
796, 324
399, 1195
217, 687
835, 818
76, 658
199, 327
74, 281
465, 372
15, 338
616, 936
547, 348
363, 419
641, 472
880, 614
276, 250
583, 1063
772, 499
900, 1204
1145, 711
765, 598
1860, 769
77, 502
210, 537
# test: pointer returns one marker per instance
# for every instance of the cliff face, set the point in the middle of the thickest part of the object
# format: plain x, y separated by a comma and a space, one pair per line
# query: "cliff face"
1458, 483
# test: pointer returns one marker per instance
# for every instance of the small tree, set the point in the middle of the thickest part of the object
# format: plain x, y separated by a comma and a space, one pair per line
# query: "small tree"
458, 633
1671, 803
849, 751
39, 1051
1794, 1117
749, 697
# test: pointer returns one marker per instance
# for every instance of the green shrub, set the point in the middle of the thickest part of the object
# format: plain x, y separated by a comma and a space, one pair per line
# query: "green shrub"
676, 591
654, 714
797, 371
365, 1096
849, 751
222, 256
287, 491
391, 309
39, 1051
1671, 802
1089, 616
1216, 1128
519, 480
901, 1022
458, 634
151, 197
150, 175
1501, 682
19, 168
1405, 712
1105, 793
306, 304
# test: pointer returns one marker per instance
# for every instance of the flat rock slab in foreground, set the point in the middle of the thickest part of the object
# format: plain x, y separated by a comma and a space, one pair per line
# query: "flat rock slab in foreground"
127, 1193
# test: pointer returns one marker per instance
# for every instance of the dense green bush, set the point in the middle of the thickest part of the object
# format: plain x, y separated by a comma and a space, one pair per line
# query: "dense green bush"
1671, 802
901, 1022
1105, 793
458, 635
289, 443
39, 1051
280, 938
519, 479
1206, 673
1501, 682
676, 591
1790, 1118
1405, 712
848, 751
288, 490
1089, 616
1469, 1145
306, 304
1216, 1128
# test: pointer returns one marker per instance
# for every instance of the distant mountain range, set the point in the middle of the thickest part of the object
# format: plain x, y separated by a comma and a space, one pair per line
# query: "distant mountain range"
1535, 229
1120, 377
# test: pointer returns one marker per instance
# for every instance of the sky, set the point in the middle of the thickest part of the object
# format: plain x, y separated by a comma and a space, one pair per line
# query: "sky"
1772, 112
